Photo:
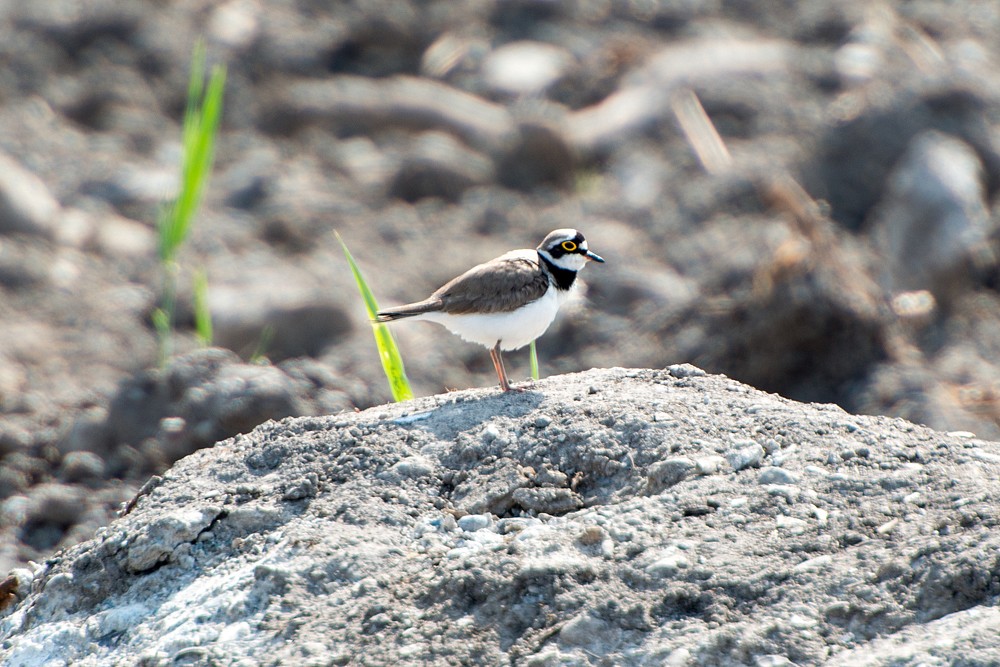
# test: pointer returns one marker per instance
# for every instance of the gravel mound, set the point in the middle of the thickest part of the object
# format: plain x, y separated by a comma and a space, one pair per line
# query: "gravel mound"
847, 252
615, 516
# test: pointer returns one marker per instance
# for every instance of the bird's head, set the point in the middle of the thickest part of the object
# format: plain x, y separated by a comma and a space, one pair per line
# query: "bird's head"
567, 249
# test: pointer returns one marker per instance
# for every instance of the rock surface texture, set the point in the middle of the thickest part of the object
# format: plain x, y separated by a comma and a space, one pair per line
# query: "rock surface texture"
614, 517
845, 252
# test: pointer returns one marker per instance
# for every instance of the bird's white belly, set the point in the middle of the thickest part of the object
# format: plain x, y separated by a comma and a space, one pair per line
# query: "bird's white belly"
514, 329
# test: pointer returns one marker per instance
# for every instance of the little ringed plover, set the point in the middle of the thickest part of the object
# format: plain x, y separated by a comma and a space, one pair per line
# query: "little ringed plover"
505, 303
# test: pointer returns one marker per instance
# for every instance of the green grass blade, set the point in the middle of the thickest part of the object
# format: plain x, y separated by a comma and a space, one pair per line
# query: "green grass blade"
196, 89
173, 223
202, 315
259, 355
392, 361
533, 357
201, 122
162, 325
196, 80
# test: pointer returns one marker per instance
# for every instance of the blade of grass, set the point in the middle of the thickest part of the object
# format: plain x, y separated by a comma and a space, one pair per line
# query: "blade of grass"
201, 122
161, 323
392, 361
163, 316
202, 315
259, 355
533, 357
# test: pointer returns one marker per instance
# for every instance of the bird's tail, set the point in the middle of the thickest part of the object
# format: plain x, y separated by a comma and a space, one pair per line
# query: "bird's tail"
409, 310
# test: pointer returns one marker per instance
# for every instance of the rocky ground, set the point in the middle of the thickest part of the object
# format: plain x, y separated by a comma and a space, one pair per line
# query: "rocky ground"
844, 253
612, 517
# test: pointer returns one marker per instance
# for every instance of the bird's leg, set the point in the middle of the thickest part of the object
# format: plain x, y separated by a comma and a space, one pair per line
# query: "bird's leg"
498, 365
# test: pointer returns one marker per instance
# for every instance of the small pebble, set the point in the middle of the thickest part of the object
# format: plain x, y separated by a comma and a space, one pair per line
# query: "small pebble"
708, 465
838, 608
525, 68
81, 467
473, 522
664, 474
774, 475
447, 524
414, 467
582, 630
681, 371
117, 620
172, 425
679, 657
667, 564
801, 622
550, 477
746, 456
791, 524
887, 527
547, 499
26, 201
813, 564
789, 492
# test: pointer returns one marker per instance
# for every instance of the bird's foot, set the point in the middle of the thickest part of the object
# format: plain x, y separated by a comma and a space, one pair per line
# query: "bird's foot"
524, 387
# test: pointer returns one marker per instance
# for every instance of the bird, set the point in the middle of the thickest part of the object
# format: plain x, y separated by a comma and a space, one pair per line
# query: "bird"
507, 302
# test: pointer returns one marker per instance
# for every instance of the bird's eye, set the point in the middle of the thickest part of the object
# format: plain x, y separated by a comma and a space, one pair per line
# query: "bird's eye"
569, 246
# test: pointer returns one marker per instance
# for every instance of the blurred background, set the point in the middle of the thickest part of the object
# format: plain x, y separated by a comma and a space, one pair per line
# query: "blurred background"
836, 242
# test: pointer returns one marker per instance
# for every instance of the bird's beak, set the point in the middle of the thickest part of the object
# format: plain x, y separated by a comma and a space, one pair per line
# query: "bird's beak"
593, 256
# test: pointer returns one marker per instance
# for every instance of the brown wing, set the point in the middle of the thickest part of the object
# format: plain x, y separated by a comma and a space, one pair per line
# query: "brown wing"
499, 286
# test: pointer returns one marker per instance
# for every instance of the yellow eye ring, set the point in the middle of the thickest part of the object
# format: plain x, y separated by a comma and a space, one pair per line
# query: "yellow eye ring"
569, 246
